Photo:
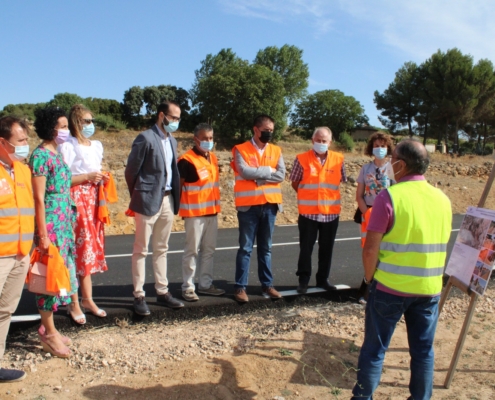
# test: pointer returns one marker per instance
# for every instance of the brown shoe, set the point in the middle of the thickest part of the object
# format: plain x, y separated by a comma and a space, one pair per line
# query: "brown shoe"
272, 292
241, 296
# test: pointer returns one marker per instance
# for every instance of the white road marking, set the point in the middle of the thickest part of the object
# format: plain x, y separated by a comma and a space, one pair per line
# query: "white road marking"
236, 247
25, 318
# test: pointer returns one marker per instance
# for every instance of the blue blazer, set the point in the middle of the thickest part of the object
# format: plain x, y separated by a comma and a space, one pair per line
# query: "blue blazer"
145, 173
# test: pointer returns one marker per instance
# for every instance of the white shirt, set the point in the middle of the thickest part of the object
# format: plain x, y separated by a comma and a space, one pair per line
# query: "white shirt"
169, 156
82, 159
259, 150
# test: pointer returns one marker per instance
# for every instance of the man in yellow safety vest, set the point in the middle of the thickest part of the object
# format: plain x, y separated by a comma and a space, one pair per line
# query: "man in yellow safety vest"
404, 254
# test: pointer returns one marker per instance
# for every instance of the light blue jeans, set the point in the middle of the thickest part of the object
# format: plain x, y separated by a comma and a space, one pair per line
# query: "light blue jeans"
383, 311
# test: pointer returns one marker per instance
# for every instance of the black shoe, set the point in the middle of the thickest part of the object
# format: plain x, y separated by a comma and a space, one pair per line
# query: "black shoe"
302, 288
11, 375
168, 301
140, 306
325, 285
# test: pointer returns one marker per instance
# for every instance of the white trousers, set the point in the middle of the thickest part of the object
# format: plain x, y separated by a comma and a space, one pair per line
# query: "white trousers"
157, 226
201, 240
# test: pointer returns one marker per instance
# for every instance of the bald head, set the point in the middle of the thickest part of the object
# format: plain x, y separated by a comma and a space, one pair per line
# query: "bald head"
414, 154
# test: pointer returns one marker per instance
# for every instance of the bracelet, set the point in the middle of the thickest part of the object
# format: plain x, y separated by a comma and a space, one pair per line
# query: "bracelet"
43, 237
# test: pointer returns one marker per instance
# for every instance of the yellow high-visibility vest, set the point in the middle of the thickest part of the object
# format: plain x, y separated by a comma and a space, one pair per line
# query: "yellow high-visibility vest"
412, 255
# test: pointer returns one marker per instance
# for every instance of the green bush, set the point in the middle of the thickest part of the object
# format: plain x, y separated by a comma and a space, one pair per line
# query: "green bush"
346, 141
106, 122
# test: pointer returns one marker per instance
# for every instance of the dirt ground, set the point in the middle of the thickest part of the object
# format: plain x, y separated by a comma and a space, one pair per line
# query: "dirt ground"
294, 353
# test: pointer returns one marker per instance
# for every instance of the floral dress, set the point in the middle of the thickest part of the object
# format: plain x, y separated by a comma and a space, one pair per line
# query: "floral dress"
59, 217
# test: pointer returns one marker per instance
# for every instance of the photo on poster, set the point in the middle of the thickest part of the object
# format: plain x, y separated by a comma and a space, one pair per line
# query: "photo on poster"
485, 272
478, 267
473, 232
487, 256
477, 285
489, 241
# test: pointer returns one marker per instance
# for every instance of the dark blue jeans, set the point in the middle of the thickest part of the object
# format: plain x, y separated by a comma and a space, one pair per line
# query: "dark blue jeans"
255, 223
383, 311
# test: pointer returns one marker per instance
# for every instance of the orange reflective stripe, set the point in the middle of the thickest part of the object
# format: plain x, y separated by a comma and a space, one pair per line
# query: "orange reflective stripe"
318, 191
364, 225
203, 196
247, 192
16, 212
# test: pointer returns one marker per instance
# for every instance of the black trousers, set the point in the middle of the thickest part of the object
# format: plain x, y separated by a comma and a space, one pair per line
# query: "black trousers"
308, 231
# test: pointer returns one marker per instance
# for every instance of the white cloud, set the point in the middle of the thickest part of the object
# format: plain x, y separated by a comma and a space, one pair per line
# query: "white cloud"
416, 28
421, 27
313, 12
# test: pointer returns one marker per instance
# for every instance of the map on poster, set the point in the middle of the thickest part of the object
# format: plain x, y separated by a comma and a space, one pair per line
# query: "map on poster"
473, 254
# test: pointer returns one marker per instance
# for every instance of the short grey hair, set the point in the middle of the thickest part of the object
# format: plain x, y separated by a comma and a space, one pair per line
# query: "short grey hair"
322, 128
414, 154
202, 127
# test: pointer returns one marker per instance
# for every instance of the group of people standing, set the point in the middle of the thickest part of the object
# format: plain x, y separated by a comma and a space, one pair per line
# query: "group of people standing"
53, 201
403, 251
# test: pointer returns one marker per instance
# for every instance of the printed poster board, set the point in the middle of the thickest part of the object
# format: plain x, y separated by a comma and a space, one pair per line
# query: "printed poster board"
473, 254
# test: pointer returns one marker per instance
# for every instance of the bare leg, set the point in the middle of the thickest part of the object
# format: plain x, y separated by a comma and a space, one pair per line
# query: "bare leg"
75, 309
87, 296
52, 337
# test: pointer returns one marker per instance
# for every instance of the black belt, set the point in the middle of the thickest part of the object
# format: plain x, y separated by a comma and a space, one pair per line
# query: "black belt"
167, 192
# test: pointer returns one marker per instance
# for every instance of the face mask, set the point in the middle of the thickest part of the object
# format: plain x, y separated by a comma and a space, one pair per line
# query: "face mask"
320, 148
396, 173
266, 136
62, 136
20, 154
380, 152
88, 130
206, 146
171, 127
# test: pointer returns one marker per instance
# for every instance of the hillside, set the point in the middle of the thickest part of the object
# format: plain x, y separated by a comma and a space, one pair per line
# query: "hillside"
462, 179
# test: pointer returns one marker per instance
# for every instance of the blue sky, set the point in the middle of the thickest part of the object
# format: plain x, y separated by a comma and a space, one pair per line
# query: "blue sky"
101, 48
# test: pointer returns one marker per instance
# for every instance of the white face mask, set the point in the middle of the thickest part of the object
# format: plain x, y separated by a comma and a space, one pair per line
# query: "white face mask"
392, 165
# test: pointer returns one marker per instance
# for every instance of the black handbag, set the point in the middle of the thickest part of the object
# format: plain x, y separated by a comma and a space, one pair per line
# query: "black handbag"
358, 216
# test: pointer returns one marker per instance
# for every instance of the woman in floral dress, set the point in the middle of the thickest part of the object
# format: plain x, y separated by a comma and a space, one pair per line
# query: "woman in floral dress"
54, 217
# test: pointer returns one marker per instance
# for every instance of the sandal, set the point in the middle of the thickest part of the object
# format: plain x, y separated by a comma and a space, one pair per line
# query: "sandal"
64, 353
65, 340
99, 312
76, 318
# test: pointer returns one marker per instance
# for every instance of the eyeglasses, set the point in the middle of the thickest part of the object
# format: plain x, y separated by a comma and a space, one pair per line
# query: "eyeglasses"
175, 119
88, 121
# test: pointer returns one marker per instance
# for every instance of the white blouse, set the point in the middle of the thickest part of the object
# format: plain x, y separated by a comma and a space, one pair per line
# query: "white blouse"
82, 159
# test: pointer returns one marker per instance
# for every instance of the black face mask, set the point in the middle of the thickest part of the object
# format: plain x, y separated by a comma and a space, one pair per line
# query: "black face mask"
266, 136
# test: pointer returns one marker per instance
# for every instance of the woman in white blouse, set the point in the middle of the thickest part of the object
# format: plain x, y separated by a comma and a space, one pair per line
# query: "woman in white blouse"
84, 158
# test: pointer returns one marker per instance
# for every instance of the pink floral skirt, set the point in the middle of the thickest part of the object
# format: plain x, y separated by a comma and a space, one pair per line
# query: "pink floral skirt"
89, 232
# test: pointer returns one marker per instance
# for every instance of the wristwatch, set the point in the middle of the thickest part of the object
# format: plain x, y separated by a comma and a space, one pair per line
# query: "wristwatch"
366, 282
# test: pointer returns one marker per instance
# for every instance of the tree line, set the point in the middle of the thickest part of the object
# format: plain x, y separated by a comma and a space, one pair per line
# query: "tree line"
228, 92
446, 98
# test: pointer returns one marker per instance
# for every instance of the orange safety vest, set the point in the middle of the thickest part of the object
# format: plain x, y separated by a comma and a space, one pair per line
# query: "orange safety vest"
203, 196
107, 193
318, 191
246, 191
365, 219
16, 211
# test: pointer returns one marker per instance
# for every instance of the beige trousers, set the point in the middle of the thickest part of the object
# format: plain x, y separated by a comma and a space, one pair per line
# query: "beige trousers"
157, 226
13, 271
201, 240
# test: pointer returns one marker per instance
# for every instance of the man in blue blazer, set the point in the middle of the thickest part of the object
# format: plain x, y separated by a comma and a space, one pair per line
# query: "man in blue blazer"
153, 180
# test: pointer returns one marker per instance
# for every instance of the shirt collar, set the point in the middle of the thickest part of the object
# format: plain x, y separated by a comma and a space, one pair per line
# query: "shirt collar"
413, 177
160, 133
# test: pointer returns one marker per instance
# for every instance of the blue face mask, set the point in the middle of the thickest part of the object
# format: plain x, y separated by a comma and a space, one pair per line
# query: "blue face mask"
20, 152
206, 146
320, 148
380, 152
171, 127
88, 130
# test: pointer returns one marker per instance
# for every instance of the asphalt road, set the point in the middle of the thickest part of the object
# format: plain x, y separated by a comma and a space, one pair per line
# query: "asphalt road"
112, 290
